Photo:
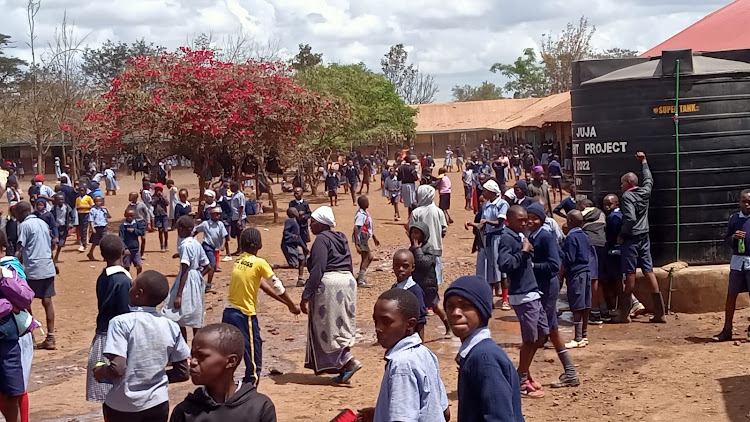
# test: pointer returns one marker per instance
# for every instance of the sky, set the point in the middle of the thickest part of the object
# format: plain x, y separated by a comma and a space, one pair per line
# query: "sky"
455, 40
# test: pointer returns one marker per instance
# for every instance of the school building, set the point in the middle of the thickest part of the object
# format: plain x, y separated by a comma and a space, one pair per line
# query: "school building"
510, 121
24, 152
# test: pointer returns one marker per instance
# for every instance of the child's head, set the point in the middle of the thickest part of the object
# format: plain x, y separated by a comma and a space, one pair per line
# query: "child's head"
363, 202
146, 184
395, 314
82, 189
298, 193
158, 188
538, 173
611, 202
441, 171
292, 213
112, 247
745, 201
418, 233
150, 288
536, 216
99, 201
41, 204
170, 183
209, 196
217, 352
583, 204
250, 240
468, 305
517, 218
215, 213
234, 186
574, 219
129, 215
63, 180
185, 226
520, 189
467, 165
490, 190
59, 199
183, 195
403, 264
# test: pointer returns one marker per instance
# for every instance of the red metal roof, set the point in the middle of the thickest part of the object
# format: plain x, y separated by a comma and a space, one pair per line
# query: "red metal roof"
725, 29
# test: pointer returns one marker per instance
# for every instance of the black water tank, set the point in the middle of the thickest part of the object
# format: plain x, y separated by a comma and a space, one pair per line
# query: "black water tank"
622, 106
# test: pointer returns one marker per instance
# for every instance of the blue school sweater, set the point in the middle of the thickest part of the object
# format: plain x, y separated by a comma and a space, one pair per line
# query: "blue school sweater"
488, 385
546, 258
576, 250
516, 263
737, 221
612, 230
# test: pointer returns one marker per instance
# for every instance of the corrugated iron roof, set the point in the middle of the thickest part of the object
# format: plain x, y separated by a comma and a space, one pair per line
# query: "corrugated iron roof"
503, 114
724, 29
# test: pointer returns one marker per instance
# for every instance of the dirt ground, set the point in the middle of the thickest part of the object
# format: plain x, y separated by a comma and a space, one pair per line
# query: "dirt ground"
638, 372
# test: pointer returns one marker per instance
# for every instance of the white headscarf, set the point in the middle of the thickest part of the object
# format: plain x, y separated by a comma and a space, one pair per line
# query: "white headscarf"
492, 186
210, 193
510, 194
324, 215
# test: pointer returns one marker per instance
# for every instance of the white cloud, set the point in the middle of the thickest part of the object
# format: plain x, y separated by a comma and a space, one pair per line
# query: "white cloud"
457, 40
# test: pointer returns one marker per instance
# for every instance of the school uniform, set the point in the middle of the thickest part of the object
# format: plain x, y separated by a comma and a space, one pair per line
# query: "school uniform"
410, 285
34, 237
303, 206
11, 232
130, 239
411, 389
444, 189
365, 232
237, 206
64, 220
613, 262
149, 342
393, 188
636, 246
468, 181
576, 253
523, 291
191, 312
555, 174
98, 217
291, 242
83, 207
160, 205
181, 209
546, 265
214, 236
112, 295
739, 265
487, 257
568, 204
50, 221
332, 184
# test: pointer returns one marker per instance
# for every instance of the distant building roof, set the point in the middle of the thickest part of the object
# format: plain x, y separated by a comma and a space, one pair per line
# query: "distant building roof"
724, 29
501, 114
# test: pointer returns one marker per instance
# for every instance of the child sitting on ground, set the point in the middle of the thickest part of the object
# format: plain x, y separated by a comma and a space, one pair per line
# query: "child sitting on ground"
488, 385
130, 230
185, 301
411, 389
424, 270
98, 219
403, 266
112, 289
140, 344
214, 235
216, 354
248, 276
576, 255
514, 259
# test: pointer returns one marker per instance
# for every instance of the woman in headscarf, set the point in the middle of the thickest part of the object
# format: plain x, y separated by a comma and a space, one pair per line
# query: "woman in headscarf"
329, 300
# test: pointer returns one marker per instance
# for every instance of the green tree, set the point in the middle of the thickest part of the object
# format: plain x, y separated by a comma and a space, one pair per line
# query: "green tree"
10, 67
615, 53
558, 54
306, 58
376, 114
101, 65
485, 91
526, 76
11, 73
412, 85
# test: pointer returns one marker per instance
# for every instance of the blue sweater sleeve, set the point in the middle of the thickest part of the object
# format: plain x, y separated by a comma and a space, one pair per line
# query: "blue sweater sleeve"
495, 393
731, 228
509, 261
568, 251
552, 265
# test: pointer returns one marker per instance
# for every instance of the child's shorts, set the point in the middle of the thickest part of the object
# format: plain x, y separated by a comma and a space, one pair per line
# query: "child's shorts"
293, 255
533, 321
332, 193
579, 291
431, 299
363, 241
98, 234
550, 290
394, 199
11, 369
636, 252
161, 222
556, 182
739, 282
445, 201
468, 192
133, 258
211, 254
236, 227
62, 234
42, 288
593, 262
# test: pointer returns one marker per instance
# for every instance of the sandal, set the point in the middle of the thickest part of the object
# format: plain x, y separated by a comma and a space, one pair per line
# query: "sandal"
724, 335
344, 377
527, 390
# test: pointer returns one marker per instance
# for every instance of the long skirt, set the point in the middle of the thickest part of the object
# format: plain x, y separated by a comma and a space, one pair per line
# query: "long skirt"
332, 323
487, 267
111, 183
96, 391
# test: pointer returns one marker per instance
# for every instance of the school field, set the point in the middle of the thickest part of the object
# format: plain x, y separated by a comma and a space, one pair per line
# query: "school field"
638, 372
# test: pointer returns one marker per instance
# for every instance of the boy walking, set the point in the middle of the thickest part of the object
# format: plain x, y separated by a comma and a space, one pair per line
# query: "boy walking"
291, 243
403, 266
739, 266
214, 236
141, 215
130, 231
140, 344
392, 188
332, 185
576, 256
363, 232
411, 389
65, 219
514, 259
83, 207
237, 206
303, 207
98, 218
636, 246
468, 181
216, 354
160, 206
488, 385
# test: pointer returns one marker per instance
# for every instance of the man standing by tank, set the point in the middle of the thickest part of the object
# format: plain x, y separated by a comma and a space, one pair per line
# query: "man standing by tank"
635, 246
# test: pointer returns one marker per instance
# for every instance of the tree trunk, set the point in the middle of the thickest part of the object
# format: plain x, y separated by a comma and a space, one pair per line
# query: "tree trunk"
258, 169
39, 155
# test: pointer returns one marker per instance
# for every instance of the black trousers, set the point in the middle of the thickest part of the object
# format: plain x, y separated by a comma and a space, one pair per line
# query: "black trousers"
158, 413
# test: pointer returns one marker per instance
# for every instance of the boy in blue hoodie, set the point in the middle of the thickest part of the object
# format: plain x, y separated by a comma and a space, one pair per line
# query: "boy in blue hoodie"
576, 255
739, 266
488, 385
514, 259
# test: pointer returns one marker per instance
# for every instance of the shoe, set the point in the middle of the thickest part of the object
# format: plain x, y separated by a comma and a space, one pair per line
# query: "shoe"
505, 306
724, 335
208, 288
81, 248
658, 309
47, 344
637, 309
301, 282
344, 377
575, 344
364, 285
623, 308
585, 341
567, 380
226, 259
527, 390
595, 320
430, 312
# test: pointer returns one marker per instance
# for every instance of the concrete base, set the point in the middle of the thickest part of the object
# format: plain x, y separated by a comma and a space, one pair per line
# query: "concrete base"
694, 289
